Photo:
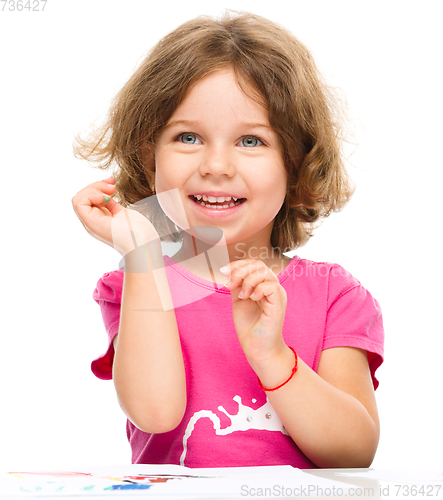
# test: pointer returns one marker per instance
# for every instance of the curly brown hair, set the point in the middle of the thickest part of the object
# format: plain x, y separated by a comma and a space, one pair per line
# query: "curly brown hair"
272, 66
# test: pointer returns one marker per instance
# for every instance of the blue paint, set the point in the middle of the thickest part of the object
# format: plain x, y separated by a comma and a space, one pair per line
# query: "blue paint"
131, 486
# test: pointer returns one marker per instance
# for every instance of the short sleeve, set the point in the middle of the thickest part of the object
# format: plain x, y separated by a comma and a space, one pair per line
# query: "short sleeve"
354, 318
108, 295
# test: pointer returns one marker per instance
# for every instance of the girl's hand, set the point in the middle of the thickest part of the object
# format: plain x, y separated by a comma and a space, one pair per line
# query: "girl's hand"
258, 310
107, 221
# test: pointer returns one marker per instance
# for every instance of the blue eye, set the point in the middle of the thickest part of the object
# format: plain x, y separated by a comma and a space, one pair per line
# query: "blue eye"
250, 141
188, 138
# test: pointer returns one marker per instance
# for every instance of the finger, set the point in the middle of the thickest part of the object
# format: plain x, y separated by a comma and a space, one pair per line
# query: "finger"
112, 206
242, 268
108, 187
105, 211
249, 275
272, 292
242, 281
85, 200
227, 270
99, 186
91, 206
90, 197
250, 282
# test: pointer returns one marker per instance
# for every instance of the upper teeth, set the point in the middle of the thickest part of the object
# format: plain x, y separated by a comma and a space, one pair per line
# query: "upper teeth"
213, 199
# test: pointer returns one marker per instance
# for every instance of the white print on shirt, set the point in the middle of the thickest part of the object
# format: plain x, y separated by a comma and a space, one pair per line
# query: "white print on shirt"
263, 418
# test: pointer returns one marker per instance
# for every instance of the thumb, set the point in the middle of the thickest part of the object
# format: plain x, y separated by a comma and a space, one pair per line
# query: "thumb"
112, 205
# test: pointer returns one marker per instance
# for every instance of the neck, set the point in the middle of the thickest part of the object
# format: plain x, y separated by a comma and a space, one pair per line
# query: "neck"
221, 254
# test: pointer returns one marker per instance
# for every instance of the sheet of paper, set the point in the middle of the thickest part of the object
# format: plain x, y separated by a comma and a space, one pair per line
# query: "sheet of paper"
176, 482
164, 481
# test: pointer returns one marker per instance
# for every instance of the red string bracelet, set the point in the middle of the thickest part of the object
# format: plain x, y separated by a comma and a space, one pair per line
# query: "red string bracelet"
292, 374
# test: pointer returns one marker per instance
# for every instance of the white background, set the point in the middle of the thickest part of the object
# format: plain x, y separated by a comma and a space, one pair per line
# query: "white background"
59, 70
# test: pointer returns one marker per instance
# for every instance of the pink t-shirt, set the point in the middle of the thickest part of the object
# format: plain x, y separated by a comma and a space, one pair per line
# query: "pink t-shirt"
228, 420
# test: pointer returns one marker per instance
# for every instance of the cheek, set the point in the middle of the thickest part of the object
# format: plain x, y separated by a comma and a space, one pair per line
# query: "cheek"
273, 190
167, 170
280, 182
269, 201
272, 183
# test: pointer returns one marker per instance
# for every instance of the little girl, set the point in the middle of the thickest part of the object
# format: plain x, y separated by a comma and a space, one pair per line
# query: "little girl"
269, 360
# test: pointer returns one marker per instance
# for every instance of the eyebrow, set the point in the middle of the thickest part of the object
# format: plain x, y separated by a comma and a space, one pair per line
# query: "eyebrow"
193, 123
173, 123
255, 125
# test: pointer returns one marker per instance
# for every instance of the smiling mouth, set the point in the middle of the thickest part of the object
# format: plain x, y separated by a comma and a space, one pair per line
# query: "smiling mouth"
217, 203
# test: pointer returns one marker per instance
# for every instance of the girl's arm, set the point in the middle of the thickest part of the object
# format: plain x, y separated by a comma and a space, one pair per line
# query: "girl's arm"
148, 368
331, 415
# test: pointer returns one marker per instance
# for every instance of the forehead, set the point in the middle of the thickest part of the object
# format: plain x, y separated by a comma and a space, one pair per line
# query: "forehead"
220, 93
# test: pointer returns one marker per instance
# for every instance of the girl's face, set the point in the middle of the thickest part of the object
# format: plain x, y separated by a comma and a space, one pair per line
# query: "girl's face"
220, 152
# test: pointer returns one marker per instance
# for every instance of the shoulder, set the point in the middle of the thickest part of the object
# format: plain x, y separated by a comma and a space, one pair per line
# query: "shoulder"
328, 283
109, 287
325, 275
353, 317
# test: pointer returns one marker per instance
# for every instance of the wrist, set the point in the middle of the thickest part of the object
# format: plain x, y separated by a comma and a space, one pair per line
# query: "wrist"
278, 370
143, 259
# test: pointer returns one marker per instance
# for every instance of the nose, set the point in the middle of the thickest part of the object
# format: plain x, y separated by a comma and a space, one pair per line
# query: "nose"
217, 160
